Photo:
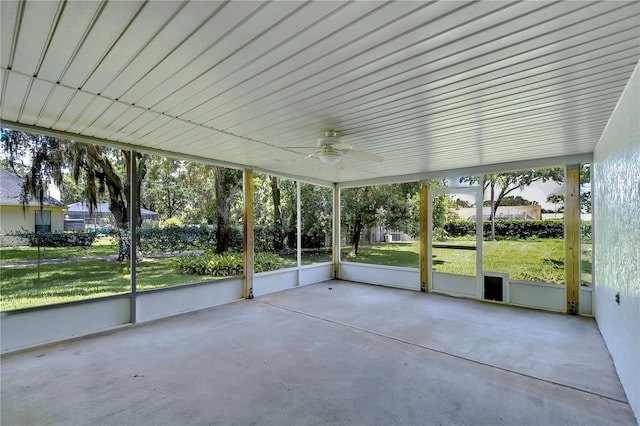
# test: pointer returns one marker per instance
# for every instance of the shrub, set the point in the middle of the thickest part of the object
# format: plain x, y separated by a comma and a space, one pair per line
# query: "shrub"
227, 264
509, 228
585, 232
265, 261
58, 239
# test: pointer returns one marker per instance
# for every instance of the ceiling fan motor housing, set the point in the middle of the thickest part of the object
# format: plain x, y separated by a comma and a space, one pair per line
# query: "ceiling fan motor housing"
330, 138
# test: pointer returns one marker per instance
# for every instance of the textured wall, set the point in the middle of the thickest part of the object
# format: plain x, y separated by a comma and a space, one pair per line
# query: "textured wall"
617, 238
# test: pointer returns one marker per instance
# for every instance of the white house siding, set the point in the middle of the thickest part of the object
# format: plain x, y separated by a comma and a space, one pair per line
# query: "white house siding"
13, 219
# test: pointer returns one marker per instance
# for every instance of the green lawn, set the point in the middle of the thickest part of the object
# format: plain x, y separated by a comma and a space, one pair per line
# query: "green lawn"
536, 260
69, 281
101, 247
540, 260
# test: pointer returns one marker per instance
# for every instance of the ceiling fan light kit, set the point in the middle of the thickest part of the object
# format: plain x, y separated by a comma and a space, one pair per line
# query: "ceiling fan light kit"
329, 156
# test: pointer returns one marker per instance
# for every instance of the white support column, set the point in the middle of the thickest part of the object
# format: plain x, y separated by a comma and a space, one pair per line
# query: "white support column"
299, 224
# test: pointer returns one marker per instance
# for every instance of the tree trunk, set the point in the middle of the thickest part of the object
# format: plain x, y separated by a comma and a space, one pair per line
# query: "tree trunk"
355, 237
278, 241
493, 212
223, 200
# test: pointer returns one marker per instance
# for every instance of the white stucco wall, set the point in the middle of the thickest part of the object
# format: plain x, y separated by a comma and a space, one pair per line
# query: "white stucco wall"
617, 238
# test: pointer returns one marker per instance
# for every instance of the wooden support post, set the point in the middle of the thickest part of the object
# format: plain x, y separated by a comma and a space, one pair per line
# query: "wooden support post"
572, 238
424, 236
247, 222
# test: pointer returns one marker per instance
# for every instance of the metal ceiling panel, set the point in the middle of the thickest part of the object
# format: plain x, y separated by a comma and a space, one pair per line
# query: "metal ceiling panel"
13, 94
95, 108
10, 12
179, 61
102, 35
72, 28
37, 97
132, 41
58, 98
169, 37
264, 51
427, 85
367, 22
34, 31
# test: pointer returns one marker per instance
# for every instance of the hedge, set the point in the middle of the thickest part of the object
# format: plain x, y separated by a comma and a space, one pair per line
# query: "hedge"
516, 229
58, 239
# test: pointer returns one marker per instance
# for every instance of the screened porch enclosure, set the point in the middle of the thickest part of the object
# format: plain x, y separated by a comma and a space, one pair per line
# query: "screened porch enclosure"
454, 148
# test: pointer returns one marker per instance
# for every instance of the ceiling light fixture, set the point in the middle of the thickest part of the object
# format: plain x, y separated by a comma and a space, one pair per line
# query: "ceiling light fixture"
329, 156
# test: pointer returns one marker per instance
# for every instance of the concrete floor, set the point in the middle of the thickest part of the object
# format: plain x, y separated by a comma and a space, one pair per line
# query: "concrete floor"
329, 353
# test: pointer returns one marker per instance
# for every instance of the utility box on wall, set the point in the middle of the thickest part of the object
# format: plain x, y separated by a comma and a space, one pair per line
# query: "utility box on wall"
495, 287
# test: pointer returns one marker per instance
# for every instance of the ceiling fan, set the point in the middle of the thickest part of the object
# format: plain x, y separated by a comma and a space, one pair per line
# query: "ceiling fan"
330, 149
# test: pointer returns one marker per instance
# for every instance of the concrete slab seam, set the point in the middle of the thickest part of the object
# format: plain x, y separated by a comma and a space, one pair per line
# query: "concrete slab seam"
364, 330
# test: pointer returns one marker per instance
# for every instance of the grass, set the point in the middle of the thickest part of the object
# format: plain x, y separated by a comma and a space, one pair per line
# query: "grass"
393, 254
535, 260
69, 281
101, 247
540, 260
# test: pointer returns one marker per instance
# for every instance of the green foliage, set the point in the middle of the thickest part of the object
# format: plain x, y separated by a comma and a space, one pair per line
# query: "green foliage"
274, 212
316, 208
393, 206
174, 238
227, 264
511, 200
58, 239
211, 263
265, 261
586, 232
171, 222
164, 190
508, 228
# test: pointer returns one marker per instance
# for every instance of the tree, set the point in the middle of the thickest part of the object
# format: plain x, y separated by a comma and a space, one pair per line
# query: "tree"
100, 169
278, 230
512, 201
228, 182
165, 189
94, 165
502, 184
555, 199
387, 205
316, 210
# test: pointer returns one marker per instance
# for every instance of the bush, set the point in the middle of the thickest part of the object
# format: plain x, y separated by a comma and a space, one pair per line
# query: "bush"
509, 228
586, 232
58, 239
174, 239
227, 264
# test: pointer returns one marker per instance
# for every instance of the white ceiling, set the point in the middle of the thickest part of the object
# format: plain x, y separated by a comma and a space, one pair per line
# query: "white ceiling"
427, 85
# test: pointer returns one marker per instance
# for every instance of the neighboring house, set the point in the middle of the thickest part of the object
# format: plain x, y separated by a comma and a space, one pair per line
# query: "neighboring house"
79, 217
15, 218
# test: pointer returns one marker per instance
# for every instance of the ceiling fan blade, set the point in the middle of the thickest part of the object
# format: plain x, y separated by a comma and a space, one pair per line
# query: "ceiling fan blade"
303, 158
365, 155
342, 146
299, 147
